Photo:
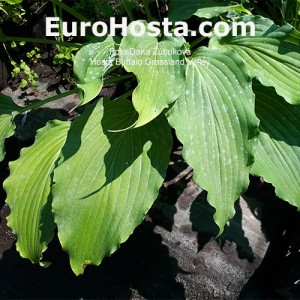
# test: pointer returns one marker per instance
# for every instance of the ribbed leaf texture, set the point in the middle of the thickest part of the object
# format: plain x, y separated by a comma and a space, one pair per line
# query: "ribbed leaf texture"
28, 191
272, 55
214, 119
107, 180
157, 68
278, 152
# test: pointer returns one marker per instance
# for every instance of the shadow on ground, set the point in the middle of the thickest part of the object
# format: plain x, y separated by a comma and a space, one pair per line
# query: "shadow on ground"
142, 266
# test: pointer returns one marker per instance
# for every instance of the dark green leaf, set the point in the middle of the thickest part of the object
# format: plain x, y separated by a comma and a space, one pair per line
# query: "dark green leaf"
184, 9
278, 153
8, 110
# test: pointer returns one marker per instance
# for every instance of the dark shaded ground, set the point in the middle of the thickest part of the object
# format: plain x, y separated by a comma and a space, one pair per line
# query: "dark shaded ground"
143, 264
279, 272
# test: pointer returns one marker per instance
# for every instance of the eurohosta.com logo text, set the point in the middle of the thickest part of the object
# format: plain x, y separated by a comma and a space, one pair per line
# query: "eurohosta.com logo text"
140, 28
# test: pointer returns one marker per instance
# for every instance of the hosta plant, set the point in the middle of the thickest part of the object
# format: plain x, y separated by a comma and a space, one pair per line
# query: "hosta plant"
234, 105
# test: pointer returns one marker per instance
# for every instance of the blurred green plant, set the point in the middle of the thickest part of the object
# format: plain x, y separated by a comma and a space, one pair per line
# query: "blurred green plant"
11, 10
96, 9
281, 11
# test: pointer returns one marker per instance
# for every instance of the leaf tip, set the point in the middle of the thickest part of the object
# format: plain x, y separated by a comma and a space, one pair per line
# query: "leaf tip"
78, 268
45, 264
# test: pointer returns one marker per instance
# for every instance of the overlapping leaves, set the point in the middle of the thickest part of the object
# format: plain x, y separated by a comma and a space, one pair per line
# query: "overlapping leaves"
113, 179
108, 177
8, 110
90, 64
159, 68
272, 55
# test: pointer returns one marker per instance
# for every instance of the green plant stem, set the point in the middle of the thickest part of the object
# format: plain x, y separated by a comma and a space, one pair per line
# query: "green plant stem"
126, 95
241, 8
159, 15
60, 22
5, 39
70, 10
60, 11
147, 10
114, 67
198, 41
48, 100
119, 78
129, 12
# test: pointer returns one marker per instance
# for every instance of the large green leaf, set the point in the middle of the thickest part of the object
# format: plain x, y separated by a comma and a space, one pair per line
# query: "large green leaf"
90, 64
160, 84
28, 189
8, 110
184, 9
214, 118
272, 55
112, 180
278, 153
